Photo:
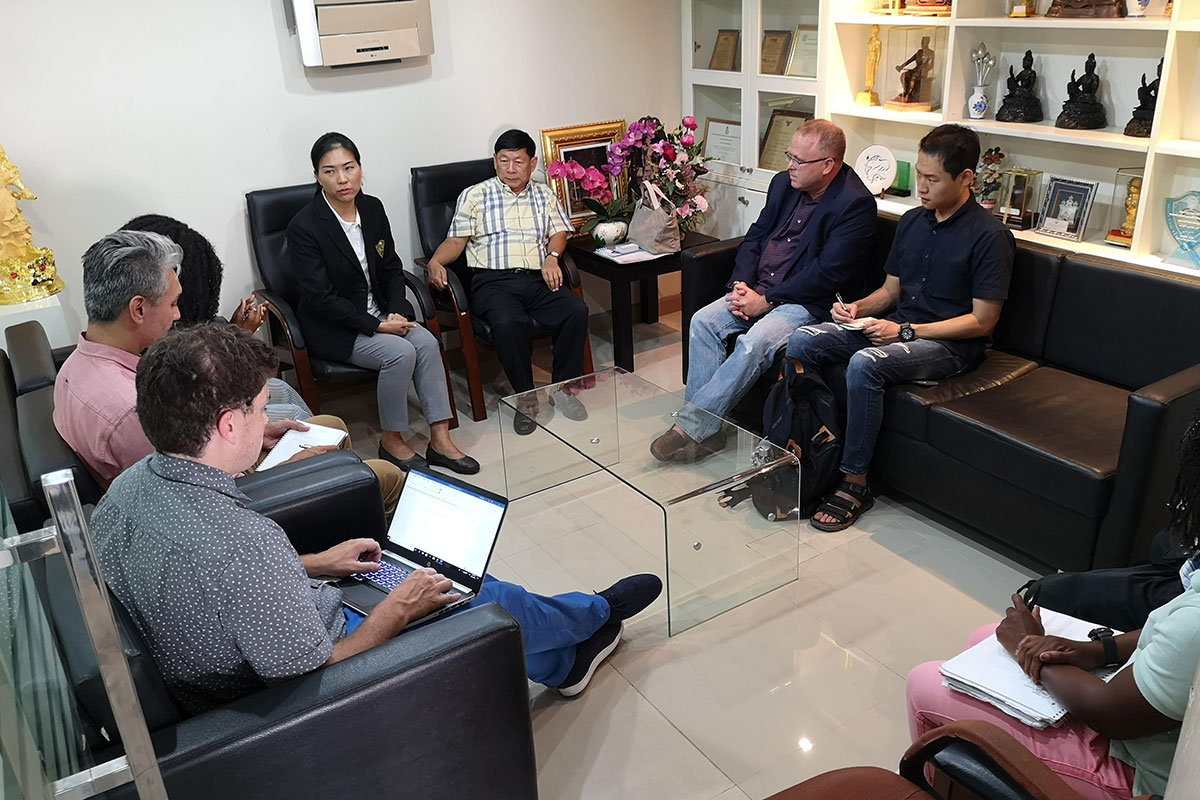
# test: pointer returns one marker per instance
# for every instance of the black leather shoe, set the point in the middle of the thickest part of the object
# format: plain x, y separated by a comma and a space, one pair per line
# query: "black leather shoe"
404, 463
463, 466
525, 418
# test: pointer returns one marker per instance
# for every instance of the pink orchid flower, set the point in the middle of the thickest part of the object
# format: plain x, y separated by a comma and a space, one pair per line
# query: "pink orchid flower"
576, 171
557, 169
684, 211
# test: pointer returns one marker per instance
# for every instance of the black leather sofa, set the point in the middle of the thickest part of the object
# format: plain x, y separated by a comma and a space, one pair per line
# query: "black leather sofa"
1060, 447
442, 710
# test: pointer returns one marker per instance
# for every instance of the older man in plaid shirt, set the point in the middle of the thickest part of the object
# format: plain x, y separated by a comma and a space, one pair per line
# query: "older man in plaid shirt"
514, 232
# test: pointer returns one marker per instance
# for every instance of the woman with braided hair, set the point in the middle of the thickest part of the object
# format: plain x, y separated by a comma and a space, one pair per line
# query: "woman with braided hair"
200, 278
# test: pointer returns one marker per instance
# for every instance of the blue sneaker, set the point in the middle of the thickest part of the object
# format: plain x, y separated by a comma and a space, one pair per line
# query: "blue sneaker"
630, 596
589, 655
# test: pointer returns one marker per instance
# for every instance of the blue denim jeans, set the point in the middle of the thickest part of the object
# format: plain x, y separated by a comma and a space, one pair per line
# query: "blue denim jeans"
550, 626
869, 371
715, 382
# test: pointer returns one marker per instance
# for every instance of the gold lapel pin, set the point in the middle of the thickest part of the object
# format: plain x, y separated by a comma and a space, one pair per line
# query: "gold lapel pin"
379, 248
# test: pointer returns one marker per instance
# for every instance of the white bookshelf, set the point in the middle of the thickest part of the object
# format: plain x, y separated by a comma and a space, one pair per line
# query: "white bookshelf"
1124, 48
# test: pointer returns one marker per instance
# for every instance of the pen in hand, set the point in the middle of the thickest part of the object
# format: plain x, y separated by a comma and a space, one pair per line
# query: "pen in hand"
841, 302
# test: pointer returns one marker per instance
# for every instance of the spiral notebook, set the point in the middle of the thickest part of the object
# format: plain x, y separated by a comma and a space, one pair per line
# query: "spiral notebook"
988, 673
294, 441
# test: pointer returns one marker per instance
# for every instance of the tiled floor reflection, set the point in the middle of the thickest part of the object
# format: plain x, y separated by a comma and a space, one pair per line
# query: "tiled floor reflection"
807, 678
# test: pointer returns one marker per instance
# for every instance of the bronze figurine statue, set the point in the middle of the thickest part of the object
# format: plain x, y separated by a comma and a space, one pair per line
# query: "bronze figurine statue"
1082, 111
1021, 104
1087, 8
1143, 115
914, 82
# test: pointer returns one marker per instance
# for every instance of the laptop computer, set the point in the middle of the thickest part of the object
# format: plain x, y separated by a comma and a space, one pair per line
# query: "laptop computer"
440, 522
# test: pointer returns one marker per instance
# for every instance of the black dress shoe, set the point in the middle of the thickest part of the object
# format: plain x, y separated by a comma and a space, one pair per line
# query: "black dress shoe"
403, 463
463, 466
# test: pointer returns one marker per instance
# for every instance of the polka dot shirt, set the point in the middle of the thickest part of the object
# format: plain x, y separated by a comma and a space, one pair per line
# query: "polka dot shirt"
216, 589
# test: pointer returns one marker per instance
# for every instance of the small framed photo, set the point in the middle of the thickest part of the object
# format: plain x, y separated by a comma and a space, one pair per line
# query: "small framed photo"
772, 153
775, 50
1066, 207
1018, 188
802, 62
725, 51
588, 146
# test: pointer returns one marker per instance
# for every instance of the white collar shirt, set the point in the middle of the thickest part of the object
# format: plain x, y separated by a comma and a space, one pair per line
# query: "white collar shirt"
354, 235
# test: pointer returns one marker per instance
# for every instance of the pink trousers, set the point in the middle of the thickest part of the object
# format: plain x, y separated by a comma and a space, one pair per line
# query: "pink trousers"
1075, 752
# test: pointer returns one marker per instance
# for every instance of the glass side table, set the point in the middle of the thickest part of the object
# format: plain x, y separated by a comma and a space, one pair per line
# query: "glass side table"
715, 555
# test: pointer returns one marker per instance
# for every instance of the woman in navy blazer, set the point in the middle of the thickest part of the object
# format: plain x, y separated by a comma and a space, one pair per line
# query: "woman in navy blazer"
353, 306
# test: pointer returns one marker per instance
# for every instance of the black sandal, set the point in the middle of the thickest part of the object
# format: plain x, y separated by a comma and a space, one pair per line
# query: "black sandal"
847, 503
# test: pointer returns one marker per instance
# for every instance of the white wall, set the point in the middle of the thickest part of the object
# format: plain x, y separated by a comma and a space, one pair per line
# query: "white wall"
117, 108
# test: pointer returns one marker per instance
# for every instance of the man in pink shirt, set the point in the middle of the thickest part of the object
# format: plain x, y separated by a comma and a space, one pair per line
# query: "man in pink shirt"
131, 294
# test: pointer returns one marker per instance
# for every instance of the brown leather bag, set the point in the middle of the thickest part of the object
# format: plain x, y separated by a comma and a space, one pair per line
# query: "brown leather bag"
654, 226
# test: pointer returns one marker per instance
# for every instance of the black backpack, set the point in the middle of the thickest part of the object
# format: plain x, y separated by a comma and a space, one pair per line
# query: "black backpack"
801, 416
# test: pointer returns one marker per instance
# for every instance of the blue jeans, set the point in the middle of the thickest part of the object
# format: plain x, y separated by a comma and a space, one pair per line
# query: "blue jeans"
869, 371
716, 382
550, 626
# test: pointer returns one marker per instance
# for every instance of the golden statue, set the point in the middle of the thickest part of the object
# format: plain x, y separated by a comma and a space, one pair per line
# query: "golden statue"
26, 272
868, 97
1123, 236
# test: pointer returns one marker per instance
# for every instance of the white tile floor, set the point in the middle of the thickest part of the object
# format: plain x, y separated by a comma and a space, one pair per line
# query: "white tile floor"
807, 678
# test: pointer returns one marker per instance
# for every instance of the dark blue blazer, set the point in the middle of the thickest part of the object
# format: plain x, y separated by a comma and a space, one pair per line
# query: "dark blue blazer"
833, 248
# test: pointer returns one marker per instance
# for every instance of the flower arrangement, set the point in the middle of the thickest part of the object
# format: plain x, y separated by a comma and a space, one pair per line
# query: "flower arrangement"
988, 176
670, 160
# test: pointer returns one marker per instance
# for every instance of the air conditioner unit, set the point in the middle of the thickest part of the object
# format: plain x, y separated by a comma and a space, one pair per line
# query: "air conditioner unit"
339, 32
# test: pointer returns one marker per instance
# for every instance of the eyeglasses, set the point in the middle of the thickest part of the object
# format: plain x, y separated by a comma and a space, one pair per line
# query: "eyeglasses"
795, 162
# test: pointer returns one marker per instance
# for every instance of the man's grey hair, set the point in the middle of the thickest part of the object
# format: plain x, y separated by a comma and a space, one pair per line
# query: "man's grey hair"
124, 265
830, 139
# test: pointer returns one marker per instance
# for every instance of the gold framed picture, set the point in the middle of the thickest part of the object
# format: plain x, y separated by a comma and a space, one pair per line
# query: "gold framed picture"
772, 154
586, 145
725, 50
776, 46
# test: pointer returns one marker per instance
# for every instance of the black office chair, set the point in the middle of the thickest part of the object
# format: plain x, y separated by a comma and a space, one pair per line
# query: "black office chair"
435, 194
270, 212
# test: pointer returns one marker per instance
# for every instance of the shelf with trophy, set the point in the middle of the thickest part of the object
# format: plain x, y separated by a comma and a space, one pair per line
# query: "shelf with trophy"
899, 74
1168, 219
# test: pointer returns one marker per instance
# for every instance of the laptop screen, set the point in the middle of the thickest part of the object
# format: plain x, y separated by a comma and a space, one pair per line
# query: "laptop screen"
448, 523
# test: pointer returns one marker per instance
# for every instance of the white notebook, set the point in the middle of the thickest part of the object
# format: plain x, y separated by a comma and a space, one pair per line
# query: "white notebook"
987, 672
294, 441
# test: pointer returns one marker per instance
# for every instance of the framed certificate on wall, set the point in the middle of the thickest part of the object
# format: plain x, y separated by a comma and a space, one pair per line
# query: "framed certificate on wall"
783, 123
725, 51
723, 140
776, 46
802, 60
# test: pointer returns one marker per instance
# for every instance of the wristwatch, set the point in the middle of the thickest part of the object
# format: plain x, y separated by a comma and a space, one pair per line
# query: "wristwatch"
1105, 637
907, 334
557, 256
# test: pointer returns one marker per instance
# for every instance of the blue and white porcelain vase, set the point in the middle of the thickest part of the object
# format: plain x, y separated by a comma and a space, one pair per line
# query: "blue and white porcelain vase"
1137, 8
977, 103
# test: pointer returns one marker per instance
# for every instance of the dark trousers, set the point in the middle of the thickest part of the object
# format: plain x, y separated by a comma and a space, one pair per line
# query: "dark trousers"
510, 301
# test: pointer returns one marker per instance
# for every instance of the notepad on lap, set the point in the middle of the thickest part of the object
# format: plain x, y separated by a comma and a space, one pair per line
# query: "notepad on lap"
987, 672
294, 441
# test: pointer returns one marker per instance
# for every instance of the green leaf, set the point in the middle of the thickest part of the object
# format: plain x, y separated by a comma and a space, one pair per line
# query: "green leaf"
589, 224
595, 206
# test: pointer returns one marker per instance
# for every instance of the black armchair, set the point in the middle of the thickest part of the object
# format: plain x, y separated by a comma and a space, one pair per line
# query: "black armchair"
435, 192
307, 498
270, 211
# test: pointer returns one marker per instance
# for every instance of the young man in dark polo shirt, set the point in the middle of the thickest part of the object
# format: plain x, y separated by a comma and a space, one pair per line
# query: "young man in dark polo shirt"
947, 278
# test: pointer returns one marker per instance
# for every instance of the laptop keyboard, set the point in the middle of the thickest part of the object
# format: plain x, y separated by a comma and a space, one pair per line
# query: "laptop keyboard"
387, 577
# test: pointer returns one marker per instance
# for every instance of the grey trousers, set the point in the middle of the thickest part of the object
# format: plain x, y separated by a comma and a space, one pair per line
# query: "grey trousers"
402, 361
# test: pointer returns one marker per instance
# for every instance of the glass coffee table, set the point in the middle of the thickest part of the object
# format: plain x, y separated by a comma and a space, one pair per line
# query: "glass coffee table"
716, 553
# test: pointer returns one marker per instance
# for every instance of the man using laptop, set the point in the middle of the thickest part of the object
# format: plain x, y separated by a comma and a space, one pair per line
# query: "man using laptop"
225, 603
